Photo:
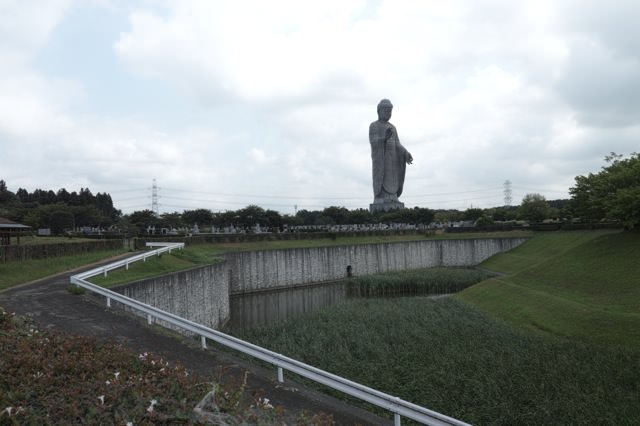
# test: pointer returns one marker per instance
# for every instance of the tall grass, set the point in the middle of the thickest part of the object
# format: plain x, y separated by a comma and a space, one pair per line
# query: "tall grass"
452, 358
415, 282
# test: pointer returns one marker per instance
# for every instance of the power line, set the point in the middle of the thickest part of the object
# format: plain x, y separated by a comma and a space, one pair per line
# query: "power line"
236, 195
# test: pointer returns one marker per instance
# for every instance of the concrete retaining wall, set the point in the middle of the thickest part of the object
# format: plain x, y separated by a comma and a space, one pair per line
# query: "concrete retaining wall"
202, 294
258, 270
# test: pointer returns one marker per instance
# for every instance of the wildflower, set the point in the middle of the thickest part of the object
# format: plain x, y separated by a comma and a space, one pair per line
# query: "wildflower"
162, 369
150, 407
101, 398
129, 423
264, 403
107, 382
117, 373
8, 410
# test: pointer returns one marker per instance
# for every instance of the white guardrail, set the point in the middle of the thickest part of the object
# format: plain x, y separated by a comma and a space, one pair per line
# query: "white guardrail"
394, 404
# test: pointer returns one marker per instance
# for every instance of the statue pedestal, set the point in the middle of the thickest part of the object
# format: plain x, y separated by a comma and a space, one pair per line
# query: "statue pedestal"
385, 206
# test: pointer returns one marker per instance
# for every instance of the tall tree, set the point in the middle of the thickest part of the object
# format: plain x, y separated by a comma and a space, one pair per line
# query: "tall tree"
613, 193
199, 216
534, 208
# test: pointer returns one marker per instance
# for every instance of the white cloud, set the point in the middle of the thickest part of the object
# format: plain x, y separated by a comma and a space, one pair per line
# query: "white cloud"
277, 102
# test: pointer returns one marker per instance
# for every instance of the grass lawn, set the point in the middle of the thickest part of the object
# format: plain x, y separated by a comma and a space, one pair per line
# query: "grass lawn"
19, 272
581, 285
35, 240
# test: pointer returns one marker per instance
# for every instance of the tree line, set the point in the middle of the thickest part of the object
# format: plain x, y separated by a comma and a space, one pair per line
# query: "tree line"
59, 211
613, 194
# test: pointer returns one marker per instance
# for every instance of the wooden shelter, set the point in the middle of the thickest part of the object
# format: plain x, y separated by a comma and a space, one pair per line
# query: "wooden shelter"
9, 228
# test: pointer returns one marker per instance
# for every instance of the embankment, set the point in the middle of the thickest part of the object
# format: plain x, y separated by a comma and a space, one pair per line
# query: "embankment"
202, 294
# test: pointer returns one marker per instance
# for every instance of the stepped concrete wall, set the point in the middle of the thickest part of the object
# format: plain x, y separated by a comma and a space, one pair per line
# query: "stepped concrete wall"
202, 294
259, 270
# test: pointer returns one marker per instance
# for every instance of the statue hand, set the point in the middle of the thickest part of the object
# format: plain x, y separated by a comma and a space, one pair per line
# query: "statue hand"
388, 133
409, 158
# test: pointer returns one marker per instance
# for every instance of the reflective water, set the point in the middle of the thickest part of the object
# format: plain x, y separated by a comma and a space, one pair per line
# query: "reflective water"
264, 308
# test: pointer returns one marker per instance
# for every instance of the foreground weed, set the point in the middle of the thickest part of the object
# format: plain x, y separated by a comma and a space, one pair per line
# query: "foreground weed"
49, 378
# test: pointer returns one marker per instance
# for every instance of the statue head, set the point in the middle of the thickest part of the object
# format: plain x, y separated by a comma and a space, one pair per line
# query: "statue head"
384, 110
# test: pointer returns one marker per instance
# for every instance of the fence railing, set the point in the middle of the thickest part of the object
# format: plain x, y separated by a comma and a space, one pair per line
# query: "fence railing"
391, 403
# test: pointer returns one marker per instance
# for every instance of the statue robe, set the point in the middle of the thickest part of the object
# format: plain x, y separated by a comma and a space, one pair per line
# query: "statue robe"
389, 161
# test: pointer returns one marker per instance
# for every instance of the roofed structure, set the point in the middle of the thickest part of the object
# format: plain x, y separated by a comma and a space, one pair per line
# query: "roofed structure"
9, 228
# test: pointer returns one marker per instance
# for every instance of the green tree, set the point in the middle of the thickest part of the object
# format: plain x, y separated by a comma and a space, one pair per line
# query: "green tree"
613, 193
9, 202
199, 216
485, 220
307, 217
359, 216
170, 220
472, 214
445, 216
338, 215
142, 219
61, 221
250, 215
534, 208
86, 215
273, 219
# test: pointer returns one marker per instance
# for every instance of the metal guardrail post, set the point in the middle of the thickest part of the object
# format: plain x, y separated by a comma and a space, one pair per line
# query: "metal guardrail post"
203, 342
280, 375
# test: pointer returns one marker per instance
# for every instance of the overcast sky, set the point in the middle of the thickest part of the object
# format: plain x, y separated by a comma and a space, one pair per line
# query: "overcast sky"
230, 103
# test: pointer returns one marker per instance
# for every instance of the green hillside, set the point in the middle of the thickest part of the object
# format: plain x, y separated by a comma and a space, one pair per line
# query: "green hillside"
581, 285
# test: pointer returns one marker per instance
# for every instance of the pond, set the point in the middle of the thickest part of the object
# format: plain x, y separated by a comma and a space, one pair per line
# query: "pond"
263, 308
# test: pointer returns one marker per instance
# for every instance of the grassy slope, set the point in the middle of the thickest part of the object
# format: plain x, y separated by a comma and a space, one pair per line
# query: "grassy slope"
581, 285
18, 272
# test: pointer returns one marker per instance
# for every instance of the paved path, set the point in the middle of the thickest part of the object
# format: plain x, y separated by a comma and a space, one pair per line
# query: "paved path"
52, 306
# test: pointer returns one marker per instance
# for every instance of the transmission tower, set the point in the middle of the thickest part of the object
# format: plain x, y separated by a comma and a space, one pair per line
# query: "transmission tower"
154, 198
507, 193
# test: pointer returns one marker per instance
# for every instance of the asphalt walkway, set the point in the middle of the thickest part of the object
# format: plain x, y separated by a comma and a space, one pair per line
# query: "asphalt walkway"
51, 305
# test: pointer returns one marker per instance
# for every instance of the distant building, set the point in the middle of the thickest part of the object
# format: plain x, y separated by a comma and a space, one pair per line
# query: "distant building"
9, 228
